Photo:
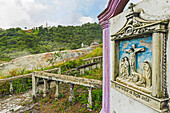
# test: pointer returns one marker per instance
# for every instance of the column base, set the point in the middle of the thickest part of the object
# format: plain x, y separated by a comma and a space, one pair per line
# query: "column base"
104, 111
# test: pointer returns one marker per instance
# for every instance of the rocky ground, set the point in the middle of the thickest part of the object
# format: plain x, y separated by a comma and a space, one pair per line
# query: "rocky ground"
18, 103
23, 103
39, 61
14, 102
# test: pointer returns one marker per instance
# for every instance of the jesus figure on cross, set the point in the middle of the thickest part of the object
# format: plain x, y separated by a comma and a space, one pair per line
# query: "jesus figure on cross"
132, 51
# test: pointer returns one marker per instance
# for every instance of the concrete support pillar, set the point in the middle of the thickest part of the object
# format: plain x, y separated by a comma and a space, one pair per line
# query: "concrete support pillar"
82, 71
48, 85
57, 89
11, 87
45, 88
98, 65
94, 66
71, 92
87, 68
34, 85
92, 60
59, 70
90, 97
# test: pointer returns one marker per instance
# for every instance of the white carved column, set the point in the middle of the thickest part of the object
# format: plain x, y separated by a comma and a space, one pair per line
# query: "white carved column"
156, 62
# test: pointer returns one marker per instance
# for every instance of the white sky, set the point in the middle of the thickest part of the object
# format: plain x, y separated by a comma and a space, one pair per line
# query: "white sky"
32, 13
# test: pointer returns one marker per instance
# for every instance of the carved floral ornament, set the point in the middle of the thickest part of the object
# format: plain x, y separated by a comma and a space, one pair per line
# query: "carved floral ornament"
136, 25
146, 40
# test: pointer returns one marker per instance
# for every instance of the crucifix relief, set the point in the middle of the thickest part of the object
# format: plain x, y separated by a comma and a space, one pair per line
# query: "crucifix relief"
132, 51
128, 72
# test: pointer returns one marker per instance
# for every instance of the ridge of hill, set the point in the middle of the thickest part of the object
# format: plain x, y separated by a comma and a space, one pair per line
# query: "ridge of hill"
15, 42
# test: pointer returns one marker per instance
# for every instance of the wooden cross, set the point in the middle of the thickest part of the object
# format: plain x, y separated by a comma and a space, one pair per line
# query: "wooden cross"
131, 7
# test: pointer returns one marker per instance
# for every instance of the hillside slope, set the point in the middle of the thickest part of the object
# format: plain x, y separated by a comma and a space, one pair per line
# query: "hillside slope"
38, 61
15, 42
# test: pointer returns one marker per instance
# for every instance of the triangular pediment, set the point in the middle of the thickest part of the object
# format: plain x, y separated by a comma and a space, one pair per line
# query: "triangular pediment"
135, 25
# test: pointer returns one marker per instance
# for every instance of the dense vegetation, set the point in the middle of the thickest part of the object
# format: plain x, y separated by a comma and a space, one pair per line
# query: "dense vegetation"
15, 42
62, 105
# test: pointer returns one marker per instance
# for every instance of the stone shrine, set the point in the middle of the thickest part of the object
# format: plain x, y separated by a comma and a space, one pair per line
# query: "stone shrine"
136, 57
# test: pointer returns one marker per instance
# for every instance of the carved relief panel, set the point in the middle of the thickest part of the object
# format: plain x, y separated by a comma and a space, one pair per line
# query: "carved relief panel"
135, 59
139, 61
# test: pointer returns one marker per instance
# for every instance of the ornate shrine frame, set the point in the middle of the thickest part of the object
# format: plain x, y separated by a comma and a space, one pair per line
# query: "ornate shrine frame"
136, 28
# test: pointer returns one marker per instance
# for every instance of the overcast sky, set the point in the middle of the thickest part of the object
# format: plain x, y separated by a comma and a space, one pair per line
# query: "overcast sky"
32, 13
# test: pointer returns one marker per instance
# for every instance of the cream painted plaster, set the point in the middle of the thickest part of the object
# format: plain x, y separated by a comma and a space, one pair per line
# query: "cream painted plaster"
151, 10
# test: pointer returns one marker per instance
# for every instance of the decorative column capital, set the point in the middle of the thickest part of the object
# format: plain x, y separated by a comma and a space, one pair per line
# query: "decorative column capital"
105, 24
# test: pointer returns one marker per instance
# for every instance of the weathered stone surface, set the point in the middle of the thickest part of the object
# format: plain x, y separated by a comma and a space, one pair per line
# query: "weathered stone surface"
70, 79
14, 78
